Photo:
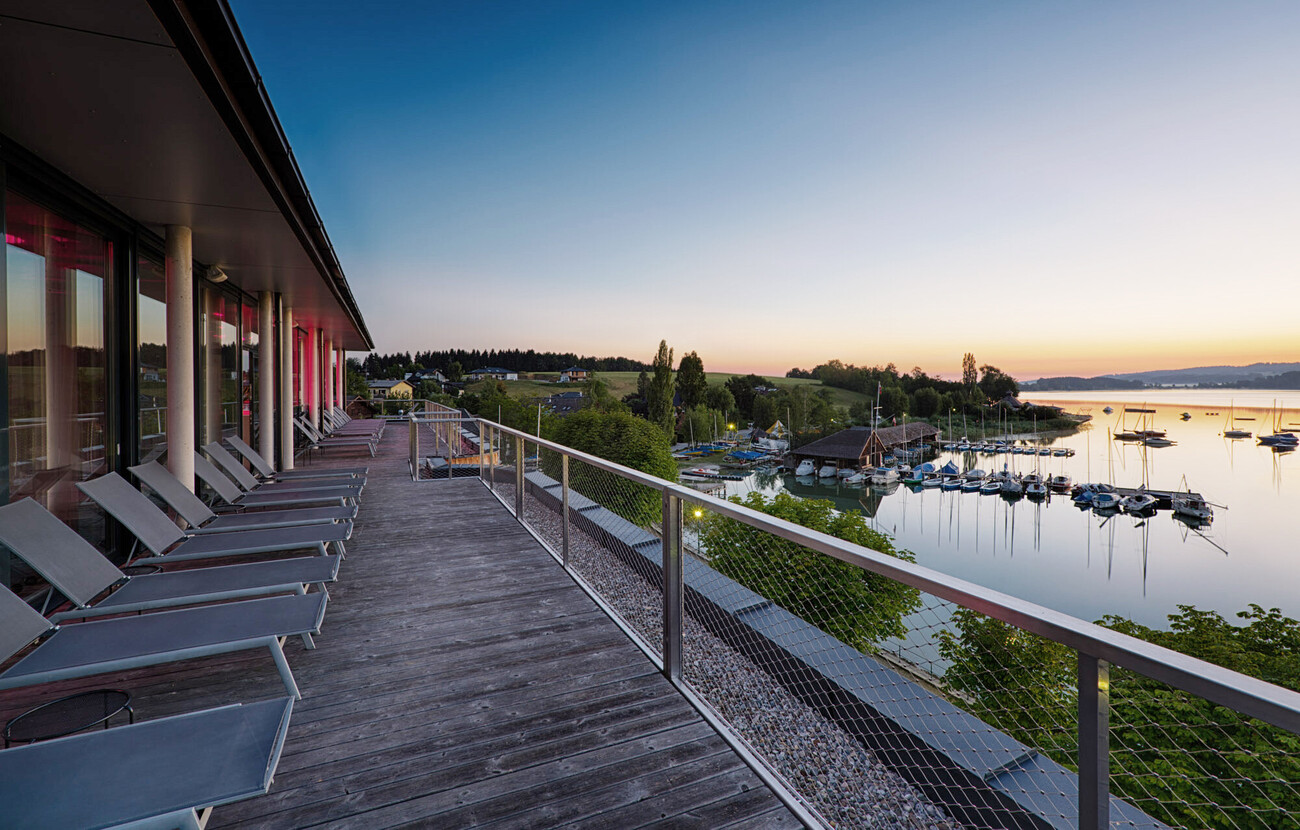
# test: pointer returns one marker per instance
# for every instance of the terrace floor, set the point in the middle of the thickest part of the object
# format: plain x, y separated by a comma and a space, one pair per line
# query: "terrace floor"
462, 679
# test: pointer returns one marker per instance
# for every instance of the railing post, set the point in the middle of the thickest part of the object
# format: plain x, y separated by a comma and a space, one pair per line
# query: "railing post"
1094, 743
519, 477
492, 457
414, 442
482, 451
564, 509
672, 570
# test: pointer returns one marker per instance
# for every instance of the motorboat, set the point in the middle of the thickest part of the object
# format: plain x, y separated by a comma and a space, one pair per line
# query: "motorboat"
1192, 506
1036, 490
806, 468
860, 477
845, 472
1102, 501
1137, 503
934, 481
1060, 483
885, 475
990, 487
827, 471
950, 483
915, 476
971, 485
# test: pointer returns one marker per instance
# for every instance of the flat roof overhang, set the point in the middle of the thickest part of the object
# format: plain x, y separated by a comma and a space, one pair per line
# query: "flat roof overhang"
158, 109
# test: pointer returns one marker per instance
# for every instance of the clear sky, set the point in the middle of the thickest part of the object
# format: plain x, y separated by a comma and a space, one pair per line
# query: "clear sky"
1059, 188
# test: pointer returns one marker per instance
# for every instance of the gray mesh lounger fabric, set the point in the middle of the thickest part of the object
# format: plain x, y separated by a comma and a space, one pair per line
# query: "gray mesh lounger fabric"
160, 768
249, 483
232, 495
202, 520
131, 642
81, 573
266, 471
157, 532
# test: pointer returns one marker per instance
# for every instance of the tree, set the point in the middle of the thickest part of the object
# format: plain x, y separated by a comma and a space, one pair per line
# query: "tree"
699, 423
997, 384
643, 384
925, 402
454, 371
624, 439
659, 397
765, 413
355, 381
853, 605
719, 397
691, 382
969, 377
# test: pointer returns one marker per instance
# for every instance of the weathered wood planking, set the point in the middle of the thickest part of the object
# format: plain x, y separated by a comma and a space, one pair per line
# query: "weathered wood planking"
461, 679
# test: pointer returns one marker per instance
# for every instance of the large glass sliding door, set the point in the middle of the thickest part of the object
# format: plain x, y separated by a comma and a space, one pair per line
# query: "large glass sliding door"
151, 366
56, 395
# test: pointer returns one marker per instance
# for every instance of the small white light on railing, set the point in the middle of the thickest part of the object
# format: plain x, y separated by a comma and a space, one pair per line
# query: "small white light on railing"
698, 513
1103, 684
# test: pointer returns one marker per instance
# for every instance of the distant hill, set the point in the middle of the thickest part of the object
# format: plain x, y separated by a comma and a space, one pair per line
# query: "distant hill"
1210, 374
1258, 375
1073, 384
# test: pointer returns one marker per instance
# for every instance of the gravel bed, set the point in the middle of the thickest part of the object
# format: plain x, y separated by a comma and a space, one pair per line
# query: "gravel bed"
831, 771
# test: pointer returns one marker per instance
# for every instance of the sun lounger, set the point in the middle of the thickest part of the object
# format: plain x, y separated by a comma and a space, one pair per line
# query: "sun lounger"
239, 500
123, 643
159, 773
332, 421
318, 442
83, 575
249, 483
265, 471
156, 531
201, 519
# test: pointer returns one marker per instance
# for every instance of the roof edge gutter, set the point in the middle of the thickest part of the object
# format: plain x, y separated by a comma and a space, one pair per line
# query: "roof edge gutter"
207, 37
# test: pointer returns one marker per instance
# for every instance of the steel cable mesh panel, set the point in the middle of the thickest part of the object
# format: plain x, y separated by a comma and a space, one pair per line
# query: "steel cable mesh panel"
756, 649
542, 496
615, 533
1194, 764
504, 482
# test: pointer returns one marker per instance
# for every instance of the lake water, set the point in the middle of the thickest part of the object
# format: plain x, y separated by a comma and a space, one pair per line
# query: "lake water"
1088, 565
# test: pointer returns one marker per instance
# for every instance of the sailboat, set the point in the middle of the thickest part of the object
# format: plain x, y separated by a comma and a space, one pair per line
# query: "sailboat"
1229, 427
1280, 439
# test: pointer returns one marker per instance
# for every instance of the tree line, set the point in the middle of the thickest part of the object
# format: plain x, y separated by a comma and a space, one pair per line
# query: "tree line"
517, 360
915, 394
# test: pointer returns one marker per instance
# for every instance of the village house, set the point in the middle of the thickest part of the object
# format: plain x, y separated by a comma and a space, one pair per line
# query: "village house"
493, 373
574, 374
383, 389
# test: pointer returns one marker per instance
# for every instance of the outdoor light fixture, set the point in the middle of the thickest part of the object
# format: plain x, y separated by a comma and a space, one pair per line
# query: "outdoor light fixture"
215, 274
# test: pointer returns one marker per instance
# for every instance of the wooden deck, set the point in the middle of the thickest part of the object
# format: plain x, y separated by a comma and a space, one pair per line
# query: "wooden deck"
462, 680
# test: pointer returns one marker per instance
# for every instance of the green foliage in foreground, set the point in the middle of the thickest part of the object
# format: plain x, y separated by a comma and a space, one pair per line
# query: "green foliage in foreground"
623, 438
1182, 759
854, 606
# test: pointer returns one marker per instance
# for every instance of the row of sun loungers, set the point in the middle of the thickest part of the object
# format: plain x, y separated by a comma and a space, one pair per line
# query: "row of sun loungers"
166, 772
340, 432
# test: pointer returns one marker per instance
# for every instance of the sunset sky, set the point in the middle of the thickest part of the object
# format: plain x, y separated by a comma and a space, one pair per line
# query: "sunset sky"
1058, 188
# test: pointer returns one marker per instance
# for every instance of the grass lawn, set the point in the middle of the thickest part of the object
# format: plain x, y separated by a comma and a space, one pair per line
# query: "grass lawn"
624, 383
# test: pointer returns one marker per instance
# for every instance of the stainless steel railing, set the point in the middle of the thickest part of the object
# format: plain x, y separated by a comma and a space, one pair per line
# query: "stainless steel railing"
1037, 718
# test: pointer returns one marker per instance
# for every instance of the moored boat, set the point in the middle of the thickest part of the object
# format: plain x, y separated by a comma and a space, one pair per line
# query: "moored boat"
1192, 506
1138, 503
805, 468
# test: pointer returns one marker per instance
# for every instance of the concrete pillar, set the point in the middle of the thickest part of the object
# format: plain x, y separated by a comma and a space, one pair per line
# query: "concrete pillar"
212, 414
328, 352
180, 354
340, 385
267, 364
286, 386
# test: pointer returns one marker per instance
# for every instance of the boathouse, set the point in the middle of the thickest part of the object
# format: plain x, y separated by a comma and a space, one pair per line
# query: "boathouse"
863, 446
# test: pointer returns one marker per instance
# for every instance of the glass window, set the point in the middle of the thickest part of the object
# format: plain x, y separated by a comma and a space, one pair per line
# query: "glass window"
151, 367
249, 411
221, 398
56, 394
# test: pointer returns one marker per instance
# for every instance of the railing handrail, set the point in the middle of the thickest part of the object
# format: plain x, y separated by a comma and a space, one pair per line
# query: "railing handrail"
1251, 696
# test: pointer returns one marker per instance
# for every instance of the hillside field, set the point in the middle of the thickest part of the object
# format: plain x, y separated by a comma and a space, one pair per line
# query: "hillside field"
624, 383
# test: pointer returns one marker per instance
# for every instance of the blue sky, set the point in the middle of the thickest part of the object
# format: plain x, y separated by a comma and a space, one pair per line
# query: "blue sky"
1059, 188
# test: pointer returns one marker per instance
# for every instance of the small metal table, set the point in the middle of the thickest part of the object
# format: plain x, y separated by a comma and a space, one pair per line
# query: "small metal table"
68, 715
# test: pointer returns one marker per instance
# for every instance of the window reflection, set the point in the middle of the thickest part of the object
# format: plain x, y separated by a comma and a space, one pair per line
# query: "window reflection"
56, 389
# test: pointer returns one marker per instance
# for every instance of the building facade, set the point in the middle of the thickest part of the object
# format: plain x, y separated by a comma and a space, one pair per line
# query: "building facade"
166, 281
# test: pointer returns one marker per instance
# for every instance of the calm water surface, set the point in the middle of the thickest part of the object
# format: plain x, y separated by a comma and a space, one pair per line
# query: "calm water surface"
1089, 565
